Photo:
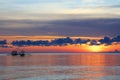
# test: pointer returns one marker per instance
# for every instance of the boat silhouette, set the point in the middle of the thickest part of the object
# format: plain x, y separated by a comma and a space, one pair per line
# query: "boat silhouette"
16, 52
116, 51
22, 53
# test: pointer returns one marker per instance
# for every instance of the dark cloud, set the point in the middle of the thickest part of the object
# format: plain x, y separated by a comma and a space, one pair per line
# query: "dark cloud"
61, 42
78, 27
55, 42
116, 39
3, 42
80, 41
6, 46
30, 43
106, 40
94, 42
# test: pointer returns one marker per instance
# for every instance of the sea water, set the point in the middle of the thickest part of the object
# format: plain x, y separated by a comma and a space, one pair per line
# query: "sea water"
60, 66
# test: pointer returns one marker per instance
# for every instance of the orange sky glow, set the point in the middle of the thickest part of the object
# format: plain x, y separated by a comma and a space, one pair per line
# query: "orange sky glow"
53, 49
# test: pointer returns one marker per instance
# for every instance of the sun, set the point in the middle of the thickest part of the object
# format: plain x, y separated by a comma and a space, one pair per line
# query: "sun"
95, 48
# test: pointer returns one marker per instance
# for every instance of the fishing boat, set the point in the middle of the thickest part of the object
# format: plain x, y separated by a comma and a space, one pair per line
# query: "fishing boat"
22, 53
116, 51
16, 52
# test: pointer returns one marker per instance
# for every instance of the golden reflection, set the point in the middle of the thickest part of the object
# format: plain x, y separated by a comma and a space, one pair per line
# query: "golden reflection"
84, 59
94, 59
89, 66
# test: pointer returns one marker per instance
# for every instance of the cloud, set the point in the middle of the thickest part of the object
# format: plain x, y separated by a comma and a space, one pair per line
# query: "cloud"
65, 41
55, 42
106, 40
93, 2
80, 41
55, 10
3, 42
116, 39
94, 42
61, 14
30, 43
76, 27
109, 41
62, 42
95, 11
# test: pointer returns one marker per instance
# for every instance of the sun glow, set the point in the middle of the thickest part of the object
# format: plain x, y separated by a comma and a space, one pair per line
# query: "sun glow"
95, 48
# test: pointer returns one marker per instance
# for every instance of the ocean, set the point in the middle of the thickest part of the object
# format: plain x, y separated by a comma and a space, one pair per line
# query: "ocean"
60, 66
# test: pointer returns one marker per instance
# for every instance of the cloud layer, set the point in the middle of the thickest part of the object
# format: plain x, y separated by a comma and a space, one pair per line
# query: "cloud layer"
76, 27
63, 42
34, 9
60, 17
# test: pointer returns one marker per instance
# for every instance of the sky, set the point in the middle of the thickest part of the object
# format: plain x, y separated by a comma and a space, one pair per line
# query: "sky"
73, 18
60, 17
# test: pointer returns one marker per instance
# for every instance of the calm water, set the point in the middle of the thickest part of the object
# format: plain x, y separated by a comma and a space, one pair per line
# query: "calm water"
61, 66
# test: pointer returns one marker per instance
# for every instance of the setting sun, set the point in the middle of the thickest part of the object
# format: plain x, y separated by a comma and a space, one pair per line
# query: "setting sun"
95, 48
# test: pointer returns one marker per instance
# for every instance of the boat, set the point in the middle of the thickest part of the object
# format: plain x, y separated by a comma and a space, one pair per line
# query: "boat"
16, 52
22, 53
116, 51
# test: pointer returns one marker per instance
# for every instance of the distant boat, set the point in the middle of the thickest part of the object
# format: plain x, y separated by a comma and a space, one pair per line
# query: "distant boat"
15, 53
22, 53
116, 51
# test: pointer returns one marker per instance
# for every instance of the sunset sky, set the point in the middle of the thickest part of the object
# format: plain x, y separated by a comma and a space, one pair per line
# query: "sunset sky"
50, 19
